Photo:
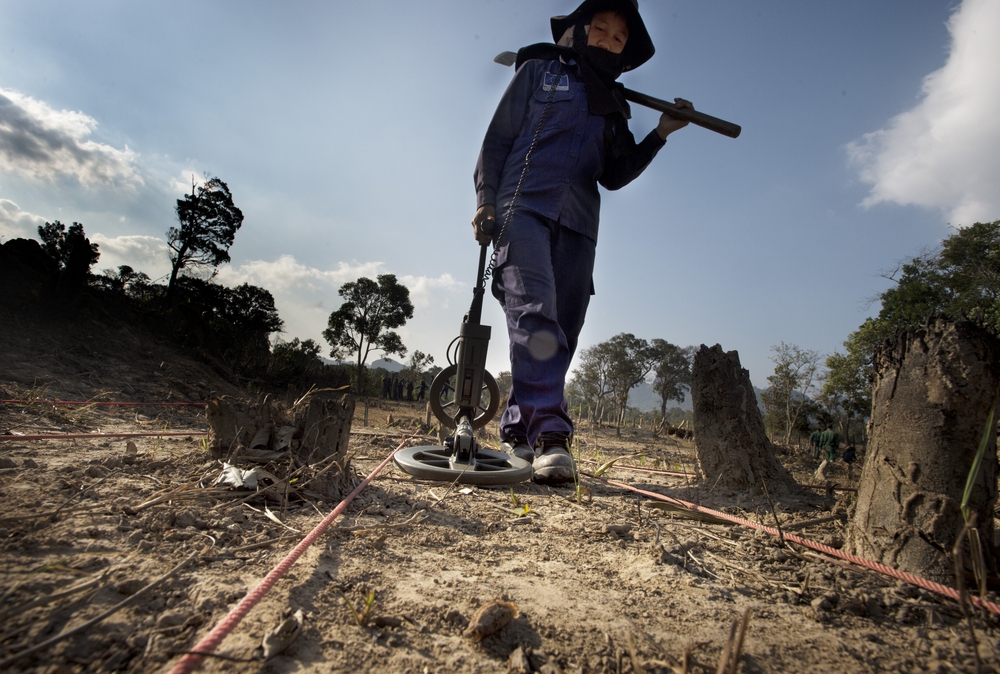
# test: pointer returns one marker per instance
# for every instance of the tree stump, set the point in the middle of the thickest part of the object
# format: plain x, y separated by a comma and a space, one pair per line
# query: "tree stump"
934, 389
312, 431
733, 450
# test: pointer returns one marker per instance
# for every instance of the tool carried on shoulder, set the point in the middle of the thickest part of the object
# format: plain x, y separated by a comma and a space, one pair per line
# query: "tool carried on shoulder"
509, 58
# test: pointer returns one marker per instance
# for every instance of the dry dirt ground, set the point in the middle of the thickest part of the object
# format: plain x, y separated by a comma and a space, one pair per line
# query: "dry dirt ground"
593, 595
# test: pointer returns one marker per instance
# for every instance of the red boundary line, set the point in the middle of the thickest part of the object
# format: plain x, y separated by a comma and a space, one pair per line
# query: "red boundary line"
88, 436
102, 402
930, 585
222, 629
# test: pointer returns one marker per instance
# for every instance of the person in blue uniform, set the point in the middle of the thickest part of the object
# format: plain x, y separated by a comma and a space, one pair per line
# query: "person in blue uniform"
565, 109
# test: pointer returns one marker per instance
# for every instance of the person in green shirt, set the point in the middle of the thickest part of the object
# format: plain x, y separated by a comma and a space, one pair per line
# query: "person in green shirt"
830, 441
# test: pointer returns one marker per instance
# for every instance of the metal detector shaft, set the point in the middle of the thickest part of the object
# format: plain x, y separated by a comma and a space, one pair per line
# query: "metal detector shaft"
475, 339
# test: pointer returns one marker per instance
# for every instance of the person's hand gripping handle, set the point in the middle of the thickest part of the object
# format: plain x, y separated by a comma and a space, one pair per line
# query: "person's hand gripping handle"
483, 222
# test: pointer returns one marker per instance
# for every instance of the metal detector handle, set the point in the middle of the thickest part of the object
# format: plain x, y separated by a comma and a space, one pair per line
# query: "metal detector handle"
693, 116
475, 315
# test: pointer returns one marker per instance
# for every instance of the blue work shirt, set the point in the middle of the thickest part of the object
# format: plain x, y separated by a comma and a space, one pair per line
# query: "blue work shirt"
571, 156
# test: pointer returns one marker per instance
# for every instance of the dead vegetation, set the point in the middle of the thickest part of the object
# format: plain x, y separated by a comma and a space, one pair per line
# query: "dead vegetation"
142, 539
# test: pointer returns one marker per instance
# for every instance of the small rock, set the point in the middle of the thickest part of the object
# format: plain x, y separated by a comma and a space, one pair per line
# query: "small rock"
97, 471
134, 538
29, 463
455, 616
172, 618
387, 621
131, 451
144, 546
490, 618
7, 463
518, 662
821, 605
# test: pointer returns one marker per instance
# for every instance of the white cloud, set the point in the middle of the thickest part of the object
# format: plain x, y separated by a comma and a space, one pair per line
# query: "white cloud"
42, 143
18, 224
426, 291
305, 297
945, 152
147, 254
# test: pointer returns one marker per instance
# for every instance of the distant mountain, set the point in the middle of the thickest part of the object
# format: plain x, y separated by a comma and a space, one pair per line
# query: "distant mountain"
386, 364
644, 398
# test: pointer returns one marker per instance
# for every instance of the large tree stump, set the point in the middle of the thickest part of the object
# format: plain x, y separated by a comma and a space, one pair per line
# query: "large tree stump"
933, 392
733, 449
312, 431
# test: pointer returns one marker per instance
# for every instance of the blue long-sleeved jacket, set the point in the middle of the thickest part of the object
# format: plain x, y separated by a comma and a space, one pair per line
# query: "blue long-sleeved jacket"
570, 158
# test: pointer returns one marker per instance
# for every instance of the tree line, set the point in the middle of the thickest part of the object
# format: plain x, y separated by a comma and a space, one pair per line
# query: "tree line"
235, 327
609, 371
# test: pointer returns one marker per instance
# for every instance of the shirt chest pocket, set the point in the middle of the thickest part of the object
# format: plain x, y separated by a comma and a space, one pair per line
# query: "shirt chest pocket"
555, 87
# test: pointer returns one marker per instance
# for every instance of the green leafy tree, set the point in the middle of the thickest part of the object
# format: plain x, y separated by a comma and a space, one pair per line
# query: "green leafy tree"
960, 280
504, 382
671, 372
795, 371
245, 317
631, 360
294, 360
366, 320
847, 389
209, 221
62, 244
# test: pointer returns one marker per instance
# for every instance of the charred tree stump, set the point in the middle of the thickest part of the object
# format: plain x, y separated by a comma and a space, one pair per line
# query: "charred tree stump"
934, 389
733, 450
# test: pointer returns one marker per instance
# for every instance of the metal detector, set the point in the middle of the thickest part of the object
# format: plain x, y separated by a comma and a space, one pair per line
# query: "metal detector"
465, 396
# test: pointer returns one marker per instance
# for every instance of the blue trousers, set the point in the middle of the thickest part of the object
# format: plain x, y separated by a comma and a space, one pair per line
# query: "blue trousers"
543, 278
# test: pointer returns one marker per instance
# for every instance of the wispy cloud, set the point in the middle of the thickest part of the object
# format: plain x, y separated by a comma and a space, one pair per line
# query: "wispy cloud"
945, 152
16, 223
43, 143
143, 253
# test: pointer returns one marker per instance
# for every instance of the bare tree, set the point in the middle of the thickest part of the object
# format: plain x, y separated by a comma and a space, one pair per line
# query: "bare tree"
591, 377
795, 371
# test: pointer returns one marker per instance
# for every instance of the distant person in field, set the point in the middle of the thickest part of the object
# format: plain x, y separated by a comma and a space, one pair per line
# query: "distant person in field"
409, 390
422, 390
850, 456
814, 440
566, 109
830, 441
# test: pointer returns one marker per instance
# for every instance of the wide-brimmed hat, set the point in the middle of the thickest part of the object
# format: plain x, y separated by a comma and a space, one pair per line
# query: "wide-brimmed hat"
638, 47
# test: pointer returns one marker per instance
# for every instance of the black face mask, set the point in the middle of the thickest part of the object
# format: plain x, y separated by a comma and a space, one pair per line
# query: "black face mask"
606, 65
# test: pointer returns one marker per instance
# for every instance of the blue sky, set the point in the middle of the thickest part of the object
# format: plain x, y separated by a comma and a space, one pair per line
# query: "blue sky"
348, 133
